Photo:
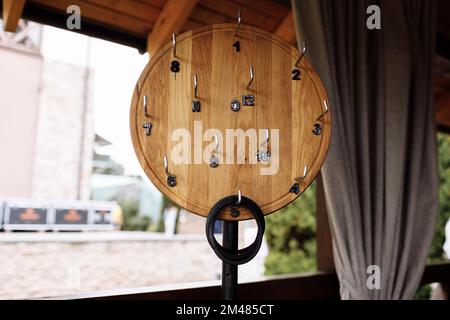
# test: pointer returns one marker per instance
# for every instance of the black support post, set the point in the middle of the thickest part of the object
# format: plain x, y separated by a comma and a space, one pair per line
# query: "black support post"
230, 234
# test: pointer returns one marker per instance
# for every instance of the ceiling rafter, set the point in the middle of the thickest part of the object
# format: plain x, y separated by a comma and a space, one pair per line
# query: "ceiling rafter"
12, 11
286, 29
170, 20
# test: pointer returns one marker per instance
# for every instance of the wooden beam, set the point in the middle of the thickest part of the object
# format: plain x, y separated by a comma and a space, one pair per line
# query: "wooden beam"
309, 286
12, 11
441, 89
286, 29
91, 13
316, 285
171, 19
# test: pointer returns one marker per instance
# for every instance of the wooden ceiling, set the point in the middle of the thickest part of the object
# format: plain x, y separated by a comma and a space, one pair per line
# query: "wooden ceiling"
148, 24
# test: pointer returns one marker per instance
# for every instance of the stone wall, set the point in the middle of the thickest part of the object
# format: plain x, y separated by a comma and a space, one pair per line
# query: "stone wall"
65, 133
20, 79
51, 264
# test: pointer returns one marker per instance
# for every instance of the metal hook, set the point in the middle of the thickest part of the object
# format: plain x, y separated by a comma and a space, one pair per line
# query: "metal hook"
295, 188
214, 160
195, 86
264, 154
166, 166
171, 179
302, 54
235, 208
305, 172
238, 23
174, 44
145, 106
216, 141
323, 112
216, 148
252, 75
265, 142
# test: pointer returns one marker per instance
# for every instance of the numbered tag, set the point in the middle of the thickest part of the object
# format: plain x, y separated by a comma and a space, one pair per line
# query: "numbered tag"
196, 106
263, 156
148, 128
317, 129
213, 161
295, 188
296, 74
235, 105
175, 66
237, 46
171, 181
235, 211
248, 100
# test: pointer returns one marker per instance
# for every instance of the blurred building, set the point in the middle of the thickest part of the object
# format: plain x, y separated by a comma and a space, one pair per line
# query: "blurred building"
109, 183
47, 134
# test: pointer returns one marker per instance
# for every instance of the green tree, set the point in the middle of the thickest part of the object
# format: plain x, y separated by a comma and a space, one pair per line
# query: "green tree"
166, 204
291, 233
436, 252
291, 236
132, 221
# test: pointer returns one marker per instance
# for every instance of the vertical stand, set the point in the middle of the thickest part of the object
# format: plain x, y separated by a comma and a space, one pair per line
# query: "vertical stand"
230, 234
229, 252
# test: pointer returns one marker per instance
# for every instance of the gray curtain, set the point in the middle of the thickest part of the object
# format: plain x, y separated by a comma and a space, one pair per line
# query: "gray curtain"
380, 176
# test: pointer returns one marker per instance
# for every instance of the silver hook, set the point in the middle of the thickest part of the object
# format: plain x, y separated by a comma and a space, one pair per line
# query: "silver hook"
195, 86
239, 198
216, 140
238, 23
305, 172
166, 166
213, 159
171, 179
324, 112
145, 105
302, 54
264, 154
174, 44
252, 75
265, 142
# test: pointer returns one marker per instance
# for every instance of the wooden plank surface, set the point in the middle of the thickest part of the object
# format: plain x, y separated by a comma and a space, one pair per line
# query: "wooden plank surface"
134, 8
103, 15
249, 16
12, 10
282, 104
286, 29
170, 20
441, 88
317, 285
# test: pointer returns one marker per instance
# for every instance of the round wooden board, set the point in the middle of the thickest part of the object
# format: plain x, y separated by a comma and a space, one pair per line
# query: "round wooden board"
290, 106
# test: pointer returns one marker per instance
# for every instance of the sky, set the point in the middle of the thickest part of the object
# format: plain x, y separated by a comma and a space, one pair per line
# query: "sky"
116, 70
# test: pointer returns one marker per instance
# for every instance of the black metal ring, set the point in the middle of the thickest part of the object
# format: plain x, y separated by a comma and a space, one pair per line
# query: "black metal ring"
243, 255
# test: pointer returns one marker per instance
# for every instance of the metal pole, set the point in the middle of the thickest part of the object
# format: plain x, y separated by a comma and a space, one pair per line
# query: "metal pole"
230, 234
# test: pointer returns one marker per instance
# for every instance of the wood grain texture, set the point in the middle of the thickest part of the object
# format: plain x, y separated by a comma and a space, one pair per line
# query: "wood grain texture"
12, 10
286, 29
290, 106
170, 20
104, 15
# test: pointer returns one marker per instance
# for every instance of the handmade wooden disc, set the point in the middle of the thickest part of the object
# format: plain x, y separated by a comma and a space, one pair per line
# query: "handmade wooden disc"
290, 107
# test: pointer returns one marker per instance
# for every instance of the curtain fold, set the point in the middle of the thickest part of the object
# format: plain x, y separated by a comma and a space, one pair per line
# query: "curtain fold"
380, 176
